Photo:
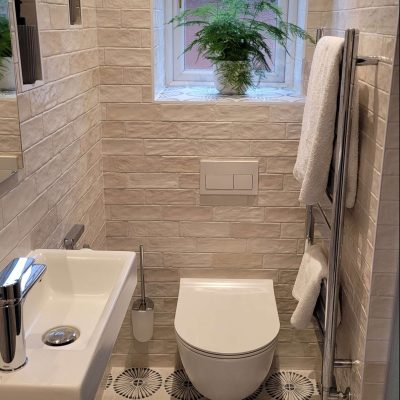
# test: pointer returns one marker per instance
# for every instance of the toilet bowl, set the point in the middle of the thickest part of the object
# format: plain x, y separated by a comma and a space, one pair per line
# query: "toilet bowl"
226, 331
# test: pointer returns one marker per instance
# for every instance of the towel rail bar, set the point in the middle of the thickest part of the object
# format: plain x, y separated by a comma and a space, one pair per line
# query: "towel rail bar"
325, 217
327, 305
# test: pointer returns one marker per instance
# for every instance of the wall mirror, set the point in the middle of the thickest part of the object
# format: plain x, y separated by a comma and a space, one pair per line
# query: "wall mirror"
10, 138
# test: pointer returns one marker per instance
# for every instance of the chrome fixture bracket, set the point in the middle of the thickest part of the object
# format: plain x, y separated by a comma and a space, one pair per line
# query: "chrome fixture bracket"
370, 60
335, 395
72, 237
340, 363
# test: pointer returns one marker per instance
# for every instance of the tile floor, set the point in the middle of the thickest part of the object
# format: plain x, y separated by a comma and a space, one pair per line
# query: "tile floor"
169, 384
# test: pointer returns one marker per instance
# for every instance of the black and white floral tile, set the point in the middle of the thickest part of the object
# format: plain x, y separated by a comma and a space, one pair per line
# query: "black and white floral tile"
169, 384
210, 94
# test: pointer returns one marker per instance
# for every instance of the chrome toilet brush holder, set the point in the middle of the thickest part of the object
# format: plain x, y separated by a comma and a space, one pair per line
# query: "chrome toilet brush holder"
142, 314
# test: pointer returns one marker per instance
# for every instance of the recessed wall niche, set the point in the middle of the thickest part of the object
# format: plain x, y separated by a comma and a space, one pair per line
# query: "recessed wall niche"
75, 15
28, 41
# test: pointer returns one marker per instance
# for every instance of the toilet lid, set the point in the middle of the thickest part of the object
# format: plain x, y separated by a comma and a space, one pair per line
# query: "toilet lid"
227, 316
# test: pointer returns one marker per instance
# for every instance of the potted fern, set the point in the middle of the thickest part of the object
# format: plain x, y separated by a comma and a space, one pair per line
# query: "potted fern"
234, 38
7, 80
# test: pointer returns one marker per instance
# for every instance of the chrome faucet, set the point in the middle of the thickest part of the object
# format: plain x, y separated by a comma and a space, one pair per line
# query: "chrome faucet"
15, 282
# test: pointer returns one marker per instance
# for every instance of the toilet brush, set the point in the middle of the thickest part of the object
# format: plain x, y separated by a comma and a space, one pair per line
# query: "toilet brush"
142, 310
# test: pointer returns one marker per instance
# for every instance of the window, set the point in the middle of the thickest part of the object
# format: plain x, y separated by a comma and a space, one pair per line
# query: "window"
188, 68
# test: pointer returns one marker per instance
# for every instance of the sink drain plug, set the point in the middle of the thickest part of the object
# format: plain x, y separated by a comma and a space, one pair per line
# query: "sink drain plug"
60, 336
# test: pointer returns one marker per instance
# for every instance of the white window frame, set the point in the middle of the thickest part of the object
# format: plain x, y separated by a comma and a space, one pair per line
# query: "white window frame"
174, 61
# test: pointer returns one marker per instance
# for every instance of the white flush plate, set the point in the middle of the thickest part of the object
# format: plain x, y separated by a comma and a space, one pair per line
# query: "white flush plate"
229, 177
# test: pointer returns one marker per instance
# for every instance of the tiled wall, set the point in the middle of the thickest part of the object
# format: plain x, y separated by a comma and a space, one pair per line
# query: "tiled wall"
61, 183
10, 139
151, 154
385, 273
377, 22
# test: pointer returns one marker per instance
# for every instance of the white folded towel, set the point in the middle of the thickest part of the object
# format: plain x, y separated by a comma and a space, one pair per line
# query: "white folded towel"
315, 150
313, 269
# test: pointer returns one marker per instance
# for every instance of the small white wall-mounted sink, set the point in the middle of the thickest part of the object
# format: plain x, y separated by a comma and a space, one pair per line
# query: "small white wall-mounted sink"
86, 289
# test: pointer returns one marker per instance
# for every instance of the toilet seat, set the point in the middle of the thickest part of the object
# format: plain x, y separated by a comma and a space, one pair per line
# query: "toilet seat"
227, 318
267, 348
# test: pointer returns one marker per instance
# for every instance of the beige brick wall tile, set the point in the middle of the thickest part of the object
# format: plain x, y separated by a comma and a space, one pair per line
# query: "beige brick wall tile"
224, 148
38, 155
18, 199
183, 112
170, 197
272, 246
152, 181
83, 61
111, 75
153, 228
270, 182
127, 57
136, 18
111, 37
108, 18
280, 165
31, 132
278, 199
137, 76
274, 148
252, 230
154, 129
286, 112
9, 236
260, 131
132, 112
117, 228
9, 126
246, 113
32, 215
187, 213
179, 147
240, 261
243, 214
59, 16
170, 244
221, 245
8, 109
188, 260
133, 212
127, 4
123, 196
122, 146
204, 229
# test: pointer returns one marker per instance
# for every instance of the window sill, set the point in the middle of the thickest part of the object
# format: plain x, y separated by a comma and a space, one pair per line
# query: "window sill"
210, 94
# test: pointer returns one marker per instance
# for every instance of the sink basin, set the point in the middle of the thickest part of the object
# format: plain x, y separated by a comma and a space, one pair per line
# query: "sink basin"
86, 289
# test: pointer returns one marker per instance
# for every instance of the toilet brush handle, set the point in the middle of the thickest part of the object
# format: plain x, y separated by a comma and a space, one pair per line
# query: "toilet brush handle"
143, 288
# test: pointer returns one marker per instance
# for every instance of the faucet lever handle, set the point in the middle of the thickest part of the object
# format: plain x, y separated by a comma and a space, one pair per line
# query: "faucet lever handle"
18, 277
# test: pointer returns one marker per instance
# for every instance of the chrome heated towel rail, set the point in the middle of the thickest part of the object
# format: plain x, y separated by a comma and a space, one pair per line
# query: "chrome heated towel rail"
327, 306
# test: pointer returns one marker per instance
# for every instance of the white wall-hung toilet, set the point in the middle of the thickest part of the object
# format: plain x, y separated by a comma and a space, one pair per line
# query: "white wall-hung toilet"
227, 332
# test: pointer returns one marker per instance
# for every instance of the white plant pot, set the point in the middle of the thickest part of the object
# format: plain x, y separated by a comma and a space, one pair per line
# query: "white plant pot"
219, 83
7, 81
222, 86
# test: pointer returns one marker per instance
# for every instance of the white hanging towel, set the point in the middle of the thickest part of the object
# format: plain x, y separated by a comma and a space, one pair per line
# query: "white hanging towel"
317, 135
313, 268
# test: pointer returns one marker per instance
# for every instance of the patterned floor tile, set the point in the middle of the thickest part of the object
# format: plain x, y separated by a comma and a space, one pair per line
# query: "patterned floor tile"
169, 384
